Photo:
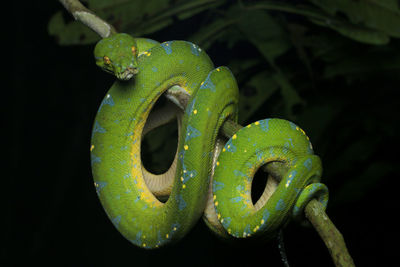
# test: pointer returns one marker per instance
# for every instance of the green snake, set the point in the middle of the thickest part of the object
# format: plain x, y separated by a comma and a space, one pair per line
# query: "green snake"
209, 176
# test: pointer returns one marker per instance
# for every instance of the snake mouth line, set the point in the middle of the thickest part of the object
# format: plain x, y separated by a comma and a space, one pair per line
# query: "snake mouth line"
127, 74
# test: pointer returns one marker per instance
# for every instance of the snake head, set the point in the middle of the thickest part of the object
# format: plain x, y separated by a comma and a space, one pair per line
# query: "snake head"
117, 54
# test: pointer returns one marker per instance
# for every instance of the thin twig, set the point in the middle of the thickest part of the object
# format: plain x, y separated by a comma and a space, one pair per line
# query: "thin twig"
314, 211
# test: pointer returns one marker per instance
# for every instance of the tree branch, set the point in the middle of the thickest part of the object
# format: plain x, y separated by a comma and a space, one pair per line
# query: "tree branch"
87, 17
314, 211
331, 236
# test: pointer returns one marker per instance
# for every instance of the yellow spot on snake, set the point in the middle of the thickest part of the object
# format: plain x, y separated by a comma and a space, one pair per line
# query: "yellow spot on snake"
91, 148
214, 197
229, 230
167, 235
144, 245
234, 136
174, 228
219, 216
216, 203
195, 111
133, 48
107, 60
183, 186
223, 150
217, 163
262, 221
257, 123
218, 69
248, 126
186, 147
182, 179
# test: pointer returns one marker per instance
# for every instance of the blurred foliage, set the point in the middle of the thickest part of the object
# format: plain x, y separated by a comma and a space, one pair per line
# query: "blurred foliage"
330, 66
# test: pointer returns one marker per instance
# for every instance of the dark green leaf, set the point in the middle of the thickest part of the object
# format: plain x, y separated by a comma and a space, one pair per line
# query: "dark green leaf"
290, 96
355, 188
264, 32
254, 93
70, 33
381, 15
355, 32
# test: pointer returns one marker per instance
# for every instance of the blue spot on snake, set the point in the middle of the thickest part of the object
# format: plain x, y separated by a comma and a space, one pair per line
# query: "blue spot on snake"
190, 106
208, 84
154, 69
217, 185
230, 147
116, 221
266, 215
308, 164
291, 176
226, 222
181, 201
191, 132
293, 126
236, 199
128, 175
94, 159
280, 205
195, 49
264, 125
240, 188
247, 230
99, 186
167, 47
259, 154
239, 173
108, 100
289, 143
138, 239
187, 175
98, 129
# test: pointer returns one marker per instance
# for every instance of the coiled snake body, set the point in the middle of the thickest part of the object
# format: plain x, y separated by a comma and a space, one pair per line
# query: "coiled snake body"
204, 177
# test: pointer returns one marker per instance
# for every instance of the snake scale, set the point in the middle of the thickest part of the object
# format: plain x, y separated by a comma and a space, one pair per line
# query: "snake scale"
209, 176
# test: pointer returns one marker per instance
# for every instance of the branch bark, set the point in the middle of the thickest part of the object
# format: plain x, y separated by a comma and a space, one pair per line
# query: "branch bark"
331, 236
314, 211
87, 17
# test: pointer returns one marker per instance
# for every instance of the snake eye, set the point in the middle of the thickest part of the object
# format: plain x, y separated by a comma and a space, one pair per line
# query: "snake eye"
133, 48
107, 60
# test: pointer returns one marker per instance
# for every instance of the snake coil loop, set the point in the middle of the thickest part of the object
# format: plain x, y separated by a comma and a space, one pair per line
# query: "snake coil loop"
202, 178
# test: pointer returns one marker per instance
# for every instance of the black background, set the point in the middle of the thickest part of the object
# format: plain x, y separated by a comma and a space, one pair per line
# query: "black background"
52, 213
